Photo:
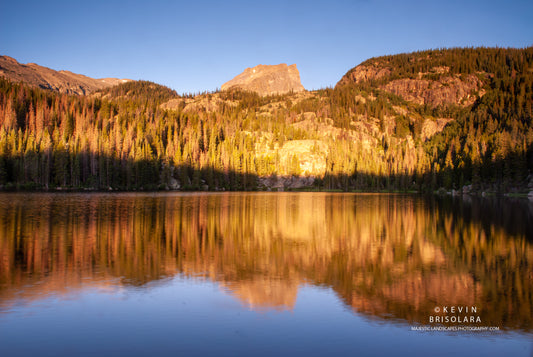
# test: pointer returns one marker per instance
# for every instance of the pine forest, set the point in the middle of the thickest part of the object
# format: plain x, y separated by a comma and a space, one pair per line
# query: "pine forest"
449, 119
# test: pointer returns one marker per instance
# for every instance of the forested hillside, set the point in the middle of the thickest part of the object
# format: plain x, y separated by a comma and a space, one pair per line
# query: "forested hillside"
452, 118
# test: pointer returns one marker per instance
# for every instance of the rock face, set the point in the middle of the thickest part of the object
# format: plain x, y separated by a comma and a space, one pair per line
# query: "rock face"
431, 127
447, 89
363, 73
267, 79
46, 78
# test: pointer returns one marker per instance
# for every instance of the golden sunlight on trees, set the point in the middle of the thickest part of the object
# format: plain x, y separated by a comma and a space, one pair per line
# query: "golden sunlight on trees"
366, 135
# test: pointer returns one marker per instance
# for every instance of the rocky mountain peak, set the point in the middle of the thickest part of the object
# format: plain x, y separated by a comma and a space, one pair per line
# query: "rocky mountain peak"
267, 79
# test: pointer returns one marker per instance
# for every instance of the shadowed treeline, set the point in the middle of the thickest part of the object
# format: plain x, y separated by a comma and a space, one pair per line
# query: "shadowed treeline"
90, 171
386, 256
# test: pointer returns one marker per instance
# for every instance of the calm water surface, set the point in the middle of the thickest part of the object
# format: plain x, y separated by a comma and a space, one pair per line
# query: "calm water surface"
264, 274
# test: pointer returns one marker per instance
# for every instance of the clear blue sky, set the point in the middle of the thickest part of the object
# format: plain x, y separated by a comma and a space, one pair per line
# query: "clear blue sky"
193, 46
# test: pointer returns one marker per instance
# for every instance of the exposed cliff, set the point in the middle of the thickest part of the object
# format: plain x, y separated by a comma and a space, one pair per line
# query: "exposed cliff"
363, 73
267, 79
425, 83
448, 90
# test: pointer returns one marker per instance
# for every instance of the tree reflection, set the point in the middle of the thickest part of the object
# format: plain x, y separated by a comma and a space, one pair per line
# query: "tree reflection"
386, 256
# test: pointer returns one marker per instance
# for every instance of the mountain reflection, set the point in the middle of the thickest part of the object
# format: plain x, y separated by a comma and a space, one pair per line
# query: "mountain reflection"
390, 257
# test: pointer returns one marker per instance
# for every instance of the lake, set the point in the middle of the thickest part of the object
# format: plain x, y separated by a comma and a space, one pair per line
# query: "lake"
168, 274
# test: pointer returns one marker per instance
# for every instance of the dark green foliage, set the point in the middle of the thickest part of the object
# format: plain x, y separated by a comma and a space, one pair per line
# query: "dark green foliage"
121, 138
140, 91
502, 62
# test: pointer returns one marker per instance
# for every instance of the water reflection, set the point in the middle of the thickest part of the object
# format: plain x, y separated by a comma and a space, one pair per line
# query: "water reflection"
387, 256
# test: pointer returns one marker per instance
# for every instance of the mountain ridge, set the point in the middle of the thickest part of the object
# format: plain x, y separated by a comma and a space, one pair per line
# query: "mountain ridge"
417, 126
62, 81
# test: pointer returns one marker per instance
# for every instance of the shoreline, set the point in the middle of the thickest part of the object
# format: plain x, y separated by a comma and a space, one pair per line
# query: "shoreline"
522, 194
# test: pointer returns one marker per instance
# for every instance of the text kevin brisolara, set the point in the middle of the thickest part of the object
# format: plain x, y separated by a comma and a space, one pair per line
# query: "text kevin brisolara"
455, 314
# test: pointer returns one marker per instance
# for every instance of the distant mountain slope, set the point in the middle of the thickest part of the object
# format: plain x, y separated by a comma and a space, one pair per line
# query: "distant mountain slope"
46, 78
440, 77
457, 119
267, 80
